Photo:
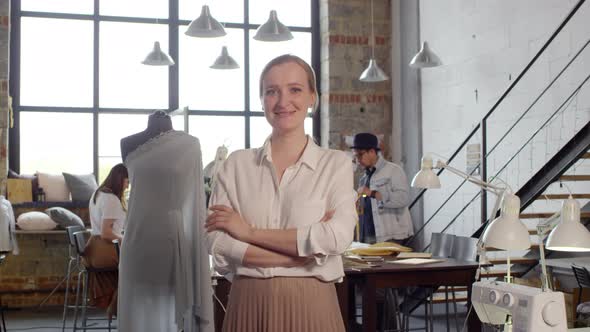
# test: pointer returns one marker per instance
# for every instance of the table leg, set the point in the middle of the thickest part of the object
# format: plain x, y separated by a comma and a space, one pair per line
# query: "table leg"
473, 322
369, 305
344, 297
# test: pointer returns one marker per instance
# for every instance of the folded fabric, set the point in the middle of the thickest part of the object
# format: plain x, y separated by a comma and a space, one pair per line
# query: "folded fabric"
81, 186
34, 181
380, 249
35, 221
54, 186
64, 217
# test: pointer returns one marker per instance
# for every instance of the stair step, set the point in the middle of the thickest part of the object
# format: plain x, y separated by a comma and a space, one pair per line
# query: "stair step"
455, 288
515, 260
563, 196
583, 177
441, 299
500, 274
547, 215
534, 246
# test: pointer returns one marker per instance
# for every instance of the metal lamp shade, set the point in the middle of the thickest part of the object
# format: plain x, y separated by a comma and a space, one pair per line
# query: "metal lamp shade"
273, 30
507, 232
205, 26
425, 58
570, 234
373, 73
157, 57
224, 61
426, 178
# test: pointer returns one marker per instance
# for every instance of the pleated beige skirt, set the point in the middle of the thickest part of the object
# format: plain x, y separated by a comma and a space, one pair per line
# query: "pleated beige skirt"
282, 304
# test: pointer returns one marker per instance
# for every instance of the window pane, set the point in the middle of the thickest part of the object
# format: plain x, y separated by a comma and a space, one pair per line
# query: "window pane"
222, 10
260, 130
134, 8
59, 6
56, 62
290, 13
214, 131
211, 89
46, 147
124, 81
262, 52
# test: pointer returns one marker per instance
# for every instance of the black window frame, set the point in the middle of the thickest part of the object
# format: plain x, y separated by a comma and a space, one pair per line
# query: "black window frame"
174, 24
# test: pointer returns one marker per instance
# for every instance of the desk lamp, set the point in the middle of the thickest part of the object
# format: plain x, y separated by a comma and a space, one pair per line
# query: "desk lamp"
566, 233
506, 232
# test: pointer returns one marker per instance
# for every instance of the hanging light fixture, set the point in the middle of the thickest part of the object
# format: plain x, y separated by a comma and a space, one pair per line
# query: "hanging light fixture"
425, 58
224, 61
273, 30
205, 26
157, 57
373, 73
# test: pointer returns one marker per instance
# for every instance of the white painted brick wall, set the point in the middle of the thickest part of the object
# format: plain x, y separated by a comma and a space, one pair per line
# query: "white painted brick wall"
484, 46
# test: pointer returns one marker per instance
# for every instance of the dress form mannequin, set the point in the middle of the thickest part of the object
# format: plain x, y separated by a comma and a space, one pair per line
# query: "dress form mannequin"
158, 122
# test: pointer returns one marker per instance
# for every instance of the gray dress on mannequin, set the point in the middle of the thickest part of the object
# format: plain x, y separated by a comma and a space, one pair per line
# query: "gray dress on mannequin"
164, 274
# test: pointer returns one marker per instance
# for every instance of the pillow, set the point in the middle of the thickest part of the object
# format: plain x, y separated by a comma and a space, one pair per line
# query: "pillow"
34, 181
54, 186
35, 221
81, 186
64, 217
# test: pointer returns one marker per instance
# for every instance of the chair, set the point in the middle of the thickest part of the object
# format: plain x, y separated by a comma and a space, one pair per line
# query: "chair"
80, 243
464, 249
583, 278
3, 327
441, 246
74, 262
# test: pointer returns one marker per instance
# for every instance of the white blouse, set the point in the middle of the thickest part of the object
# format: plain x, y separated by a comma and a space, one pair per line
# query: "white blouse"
107, 206
320, 181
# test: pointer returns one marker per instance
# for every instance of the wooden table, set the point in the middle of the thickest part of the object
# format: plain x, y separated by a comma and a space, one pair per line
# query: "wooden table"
449, 273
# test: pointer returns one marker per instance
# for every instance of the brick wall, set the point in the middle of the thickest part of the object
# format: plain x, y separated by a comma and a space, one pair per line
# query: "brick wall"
348, 105
4, 104
484, 46
27, 278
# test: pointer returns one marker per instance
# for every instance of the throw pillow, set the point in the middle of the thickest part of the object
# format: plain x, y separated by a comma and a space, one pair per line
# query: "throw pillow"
81, 186
54, 186
34, 181
64, 217
35, 221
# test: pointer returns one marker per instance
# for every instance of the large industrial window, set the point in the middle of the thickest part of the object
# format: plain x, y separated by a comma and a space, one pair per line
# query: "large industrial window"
78, 86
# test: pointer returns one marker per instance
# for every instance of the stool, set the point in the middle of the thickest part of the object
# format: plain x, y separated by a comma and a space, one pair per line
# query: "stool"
74, 262
80, 241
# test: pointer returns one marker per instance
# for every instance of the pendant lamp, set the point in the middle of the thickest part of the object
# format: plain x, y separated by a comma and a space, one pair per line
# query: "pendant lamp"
224, 61
205, 26
273, 30
157, 57
425, 58
373, 73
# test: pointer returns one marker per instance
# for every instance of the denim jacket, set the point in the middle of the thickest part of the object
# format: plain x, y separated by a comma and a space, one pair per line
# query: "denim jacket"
390, 215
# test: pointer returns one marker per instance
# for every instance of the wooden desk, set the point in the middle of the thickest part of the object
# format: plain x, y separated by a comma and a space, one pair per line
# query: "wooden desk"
449, 272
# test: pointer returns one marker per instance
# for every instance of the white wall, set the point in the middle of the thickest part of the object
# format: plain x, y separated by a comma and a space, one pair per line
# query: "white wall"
484, 45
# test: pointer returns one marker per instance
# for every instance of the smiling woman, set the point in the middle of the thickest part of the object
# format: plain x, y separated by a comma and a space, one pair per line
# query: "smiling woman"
282, 246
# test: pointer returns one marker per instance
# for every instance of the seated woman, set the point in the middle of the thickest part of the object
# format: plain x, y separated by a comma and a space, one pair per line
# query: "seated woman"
107, 216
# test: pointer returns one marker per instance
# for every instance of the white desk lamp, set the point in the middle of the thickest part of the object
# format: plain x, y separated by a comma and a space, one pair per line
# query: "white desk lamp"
506, 232
566, 233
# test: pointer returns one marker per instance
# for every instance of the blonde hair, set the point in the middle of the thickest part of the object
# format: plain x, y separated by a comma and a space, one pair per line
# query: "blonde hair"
286, 58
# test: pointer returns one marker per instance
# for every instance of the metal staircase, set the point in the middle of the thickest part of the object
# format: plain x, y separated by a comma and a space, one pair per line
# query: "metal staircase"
463, 210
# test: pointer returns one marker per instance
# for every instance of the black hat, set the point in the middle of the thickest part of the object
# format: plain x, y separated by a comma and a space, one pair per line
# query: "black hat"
365, 141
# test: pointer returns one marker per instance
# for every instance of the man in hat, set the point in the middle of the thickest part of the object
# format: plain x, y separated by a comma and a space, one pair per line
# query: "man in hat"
384, 193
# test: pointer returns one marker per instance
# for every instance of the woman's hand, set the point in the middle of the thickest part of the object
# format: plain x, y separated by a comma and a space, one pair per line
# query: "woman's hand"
226, 219
328, 216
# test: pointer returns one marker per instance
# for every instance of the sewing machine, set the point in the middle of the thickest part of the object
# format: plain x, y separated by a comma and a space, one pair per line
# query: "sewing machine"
532, 309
